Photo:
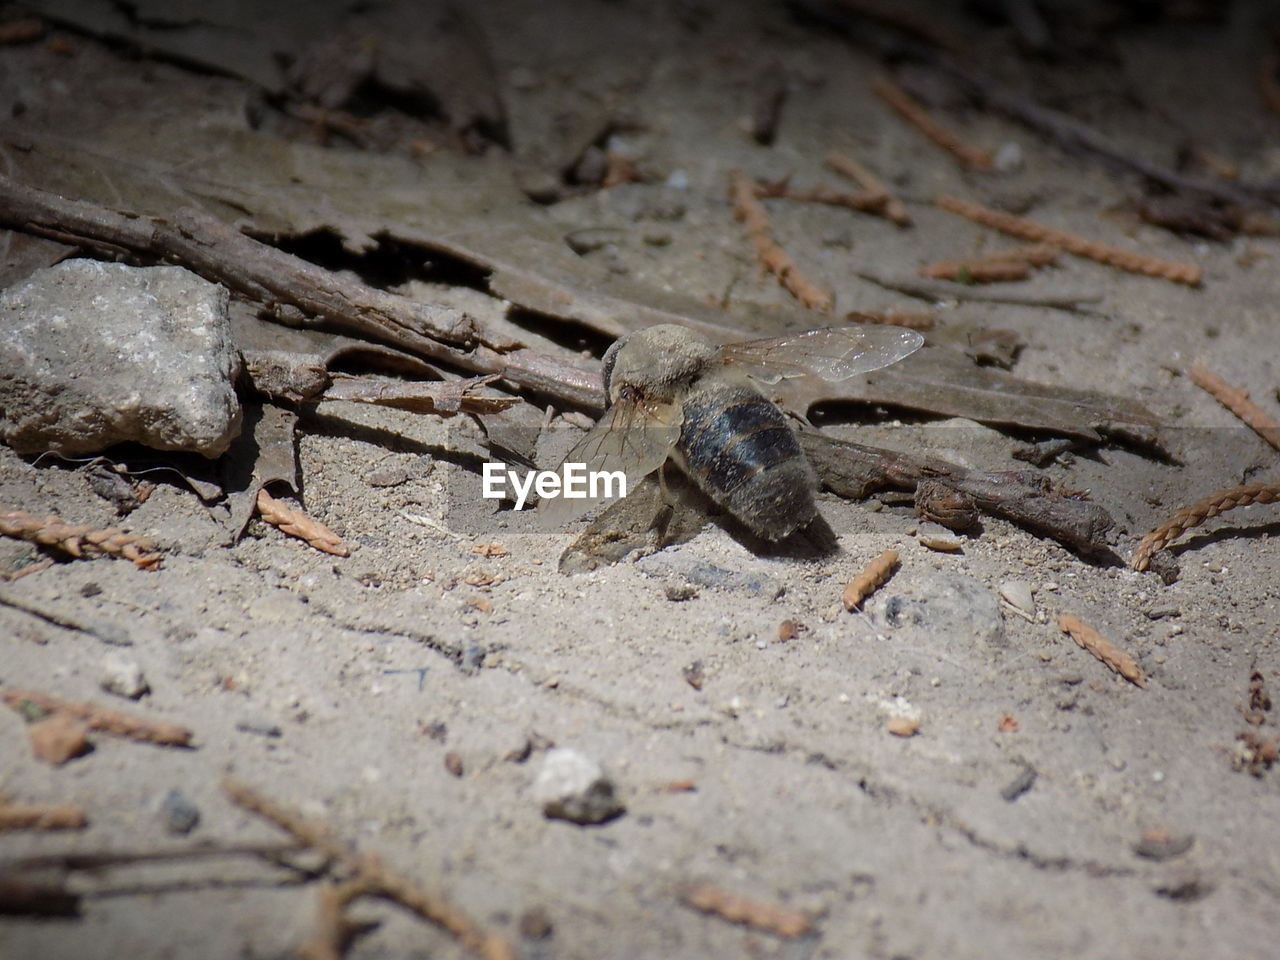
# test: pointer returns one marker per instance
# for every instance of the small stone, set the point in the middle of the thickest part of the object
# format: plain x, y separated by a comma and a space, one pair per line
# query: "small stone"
179, 814
58, 738
123, 677
571, 786
1017, 593
903, 726
453, 763
102, 353
387, 475
1020, 784
679, 592
937, 537
1160, 845
1008, 158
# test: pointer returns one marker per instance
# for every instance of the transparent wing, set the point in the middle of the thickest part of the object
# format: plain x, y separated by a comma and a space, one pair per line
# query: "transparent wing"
633, 438
829, 353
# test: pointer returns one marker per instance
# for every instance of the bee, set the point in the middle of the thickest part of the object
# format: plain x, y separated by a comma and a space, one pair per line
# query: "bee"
672, 395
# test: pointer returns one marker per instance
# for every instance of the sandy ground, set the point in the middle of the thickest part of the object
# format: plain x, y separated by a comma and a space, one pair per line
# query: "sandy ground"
339, 685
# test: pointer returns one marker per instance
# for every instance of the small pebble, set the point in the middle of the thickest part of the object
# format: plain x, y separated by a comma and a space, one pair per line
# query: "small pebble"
453, 763
937, 537
1020, 784
58, 738
1017, 593
387, 475
903, 726
123, 677
179, 814
571, 786
1008, 158
1159, 845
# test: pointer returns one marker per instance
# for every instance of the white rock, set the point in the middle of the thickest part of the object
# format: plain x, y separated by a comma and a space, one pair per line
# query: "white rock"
123, 677
571, 786
1017, 593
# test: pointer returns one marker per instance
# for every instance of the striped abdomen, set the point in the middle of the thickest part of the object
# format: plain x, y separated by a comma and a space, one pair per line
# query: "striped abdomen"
738, 447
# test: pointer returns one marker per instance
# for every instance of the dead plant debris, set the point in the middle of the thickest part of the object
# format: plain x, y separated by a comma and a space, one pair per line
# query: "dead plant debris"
708, 898
1074, 243
889, 206
914, 113
35, 705
748, 209
80, 540
873, 575
1102, 648
18, 816
367, 876
1220, 501
295, 523
1237, 401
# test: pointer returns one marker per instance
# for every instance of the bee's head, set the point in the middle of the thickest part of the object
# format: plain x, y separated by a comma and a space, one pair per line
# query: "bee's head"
654, 362
609, 362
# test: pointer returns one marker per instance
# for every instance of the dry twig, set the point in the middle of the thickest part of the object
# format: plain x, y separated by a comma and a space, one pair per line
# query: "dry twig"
912, 111
1236, 399
708, 898
872, 576
31, 817
1131, 260
370, 877
297, 524
79, 540
873, 185
99, 718
865, 202
995, 267
1220, 501
748, 209
1102, 648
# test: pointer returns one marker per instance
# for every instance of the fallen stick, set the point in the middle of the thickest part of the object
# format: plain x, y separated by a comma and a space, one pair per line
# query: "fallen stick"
864, 202
1236, 399
1102, 648
288, 284
33, 817
994, 267
914, 113
1220, 501
1131, 260
79, 540
748, 209
873, 575
1026, 497
100, 719
934, 292
893, 208
708, 898
370, 877
295, 523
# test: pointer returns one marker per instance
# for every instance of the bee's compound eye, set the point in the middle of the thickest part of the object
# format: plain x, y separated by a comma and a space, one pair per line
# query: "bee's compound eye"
610, 360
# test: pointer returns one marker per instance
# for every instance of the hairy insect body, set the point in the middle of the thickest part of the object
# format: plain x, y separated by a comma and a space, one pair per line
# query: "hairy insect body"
672, 395
738, 447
